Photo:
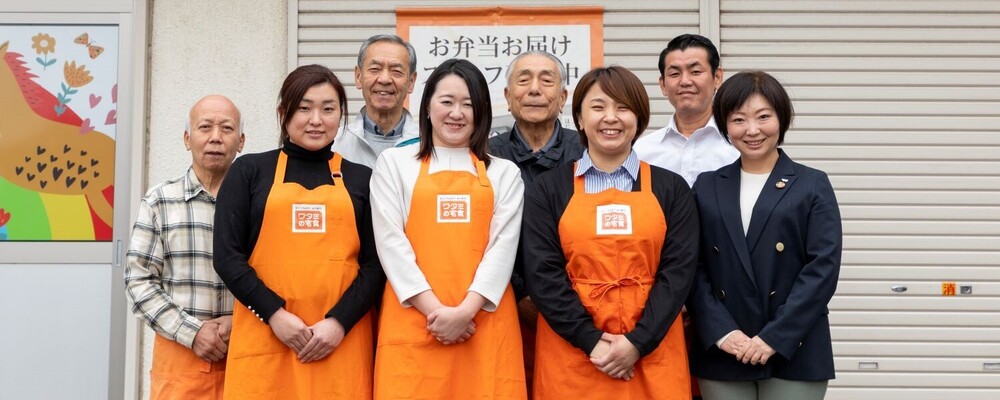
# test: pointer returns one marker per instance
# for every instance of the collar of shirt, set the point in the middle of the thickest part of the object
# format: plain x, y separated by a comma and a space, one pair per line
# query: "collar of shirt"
710, 128
193, 186
371, 127
596, 181
548, 156
526, 149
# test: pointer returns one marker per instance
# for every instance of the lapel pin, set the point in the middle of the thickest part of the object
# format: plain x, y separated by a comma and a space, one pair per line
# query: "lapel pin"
780, 184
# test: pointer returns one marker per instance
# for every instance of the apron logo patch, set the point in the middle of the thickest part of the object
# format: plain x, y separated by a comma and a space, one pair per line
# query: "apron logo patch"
309, 218
614, 219
453, 208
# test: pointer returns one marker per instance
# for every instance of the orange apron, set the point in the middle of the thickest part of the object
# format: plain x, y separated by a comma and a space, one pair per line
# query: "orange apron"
409, 362
612, 242
177, 373
307, 252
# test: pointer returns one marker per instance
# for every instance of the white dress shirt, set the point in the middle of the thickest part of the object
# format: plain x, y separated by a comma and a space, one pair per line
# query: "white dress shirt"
392, 184
705, 150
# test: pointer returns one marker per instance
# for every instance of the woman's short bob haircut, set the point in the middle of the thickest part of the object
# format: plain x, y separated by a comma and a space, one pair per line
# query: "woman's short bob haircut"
482, 107
621, 85
739, 88
296, 84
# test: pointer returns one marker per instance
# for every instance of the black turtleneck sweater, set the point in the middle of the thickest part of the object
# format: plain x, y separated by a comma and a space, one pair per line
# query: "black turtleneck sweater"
239, 213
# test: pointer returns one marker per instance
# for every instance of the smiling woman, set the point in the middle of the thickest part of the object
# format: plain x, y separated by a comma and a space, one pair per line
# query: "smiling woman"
773, 227
293, 243
606, 274
448, 217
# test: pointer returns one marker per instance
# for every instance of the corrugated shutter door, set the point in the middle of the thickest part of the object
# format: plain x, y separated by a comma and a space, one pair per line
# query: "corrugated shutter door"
899, 101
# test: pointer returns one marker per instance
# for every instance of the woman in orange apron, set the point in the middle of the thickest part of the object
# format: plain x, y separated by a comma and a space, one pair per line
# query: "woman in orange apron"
294, 245
447, 218
610, 253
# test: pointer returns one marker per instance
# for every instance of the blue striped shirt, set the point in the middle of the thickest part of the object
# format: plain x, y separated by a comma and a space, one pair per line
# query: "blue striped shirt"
596, 181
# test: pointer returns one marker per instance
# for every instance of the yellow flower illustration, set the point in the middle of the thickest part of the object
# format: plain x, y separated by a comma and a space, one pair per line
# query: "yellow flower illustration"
76, 76
43, 43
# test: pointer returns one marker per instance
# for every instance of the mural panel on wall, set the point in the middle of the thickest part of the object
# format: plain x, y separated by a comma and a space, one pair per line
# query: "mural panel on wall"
58, 120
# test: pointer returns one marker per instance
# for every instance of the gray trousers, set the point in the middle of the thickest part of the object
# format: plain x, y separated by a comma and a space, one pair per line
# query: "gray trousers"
767, 389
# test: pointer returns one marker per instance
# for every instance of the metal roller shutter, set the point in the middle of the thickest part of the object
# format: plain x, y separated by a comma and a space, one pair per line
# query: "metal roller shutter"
899, 101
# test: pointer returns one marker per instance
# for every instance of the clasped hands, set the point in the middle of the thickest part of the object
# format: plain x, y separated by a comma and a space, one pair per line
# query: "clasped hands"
746, 349
212, 340
451, 325
615, 356
311, 343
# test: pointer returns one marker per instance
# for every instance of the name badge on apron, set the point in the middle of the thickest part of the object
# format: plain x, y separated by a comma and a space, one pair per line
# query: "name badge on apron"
453, 208
308, 218
614, 219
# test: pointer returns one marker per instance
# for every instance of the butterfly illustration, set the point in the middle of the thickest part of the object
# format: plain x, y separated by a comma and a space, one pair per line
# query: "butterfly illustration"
94, 51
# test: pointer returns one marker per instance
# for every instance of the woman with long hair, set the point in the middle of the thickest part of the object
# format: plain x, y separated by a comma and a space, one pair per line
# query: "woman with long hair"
447, 221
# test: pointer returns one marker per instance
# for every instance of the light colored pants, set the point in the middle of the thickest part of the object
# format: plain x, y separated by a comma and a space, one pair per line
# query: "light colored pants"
767, 389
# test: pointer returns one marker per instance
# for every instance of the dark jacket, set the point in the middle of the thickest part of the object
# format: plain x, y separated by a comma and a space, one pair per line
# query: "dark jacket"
566, 149
775, 281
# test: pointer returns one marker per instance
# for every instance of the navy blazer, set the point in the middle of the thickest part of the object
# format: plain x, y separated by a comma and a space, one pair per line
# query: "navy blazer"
775, 281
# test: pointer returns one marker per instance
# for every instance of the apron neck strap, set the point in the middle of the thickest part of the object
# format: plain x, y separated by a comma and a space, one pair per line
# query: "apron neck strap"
480, 170
644, 177
425, 165
335, 168
578, 181
279, 170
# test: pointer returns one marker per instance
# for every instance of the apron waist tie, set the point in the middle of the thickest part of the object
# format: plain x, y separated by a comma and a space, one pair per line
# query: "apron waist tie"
603, 287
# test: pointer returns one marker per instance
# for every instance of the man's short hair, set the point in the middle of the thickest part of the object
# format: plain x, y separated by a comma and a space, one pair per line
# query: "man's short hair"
683, 42
392, 39
543, 53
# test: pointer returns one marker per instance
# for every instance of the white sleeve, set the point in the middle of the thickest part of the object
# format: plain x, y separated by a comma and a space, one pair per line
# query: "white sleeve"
389, 212
718, 343
493, 275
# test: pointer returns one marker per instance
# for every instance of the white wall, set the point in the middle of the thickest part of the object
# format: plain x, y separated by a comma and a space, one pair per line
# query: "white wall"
232, 47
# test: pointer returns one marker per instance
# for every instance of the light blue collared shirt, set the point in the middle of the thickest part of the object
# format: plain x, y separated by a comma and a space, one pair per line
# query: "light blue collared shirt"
596, 181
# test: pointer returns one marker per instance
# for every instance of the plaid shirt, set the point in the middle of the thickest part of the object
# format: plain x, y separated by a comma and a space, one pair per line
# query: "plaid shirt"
168, 272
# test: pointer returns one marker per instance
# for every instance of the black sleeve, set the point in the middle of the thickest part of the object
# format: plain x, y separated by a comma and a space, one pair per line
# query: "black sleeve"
499, 146
234, 238
367, 287
545, 263
678, 261
517, 275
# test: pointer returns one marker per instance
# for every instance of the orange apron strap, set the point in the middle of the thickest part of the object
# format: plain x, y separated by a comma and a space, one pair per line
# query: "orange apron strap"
578, 187
484, 180
335, 169
425, 166
644, 178
279, 170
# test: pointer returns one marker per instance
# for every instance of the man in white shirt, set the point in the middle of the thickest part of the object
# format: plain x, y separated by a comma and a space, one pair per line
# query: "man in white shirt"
691, 143
385, 75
